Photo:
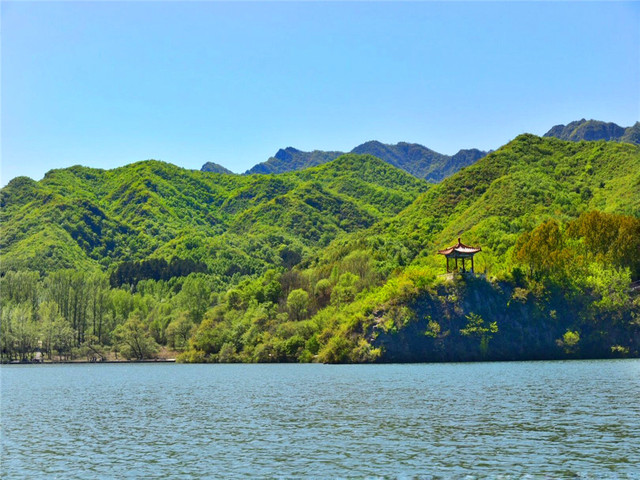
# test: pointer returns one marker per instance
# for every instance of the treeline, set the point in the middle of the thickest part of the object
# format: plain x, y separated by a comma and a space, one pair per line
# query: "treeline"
130, 273
69, 315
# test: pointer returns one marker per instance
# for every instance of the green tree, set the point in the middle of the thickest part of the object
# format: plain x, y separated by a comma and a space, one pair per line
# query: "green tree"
195, 296
24, 330
542, 249
7, 339
47, 317
475, 327
179, 330
63, 337
345, 290
298, 303
569, 342
134, 339
323, 292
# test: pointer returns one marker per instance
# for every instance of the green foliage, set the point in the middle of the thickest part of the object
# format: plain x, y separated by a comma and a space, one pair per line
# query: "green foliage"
298, 303
569, 341
139, 216
179, 331
134, 339
476, 327
345, 290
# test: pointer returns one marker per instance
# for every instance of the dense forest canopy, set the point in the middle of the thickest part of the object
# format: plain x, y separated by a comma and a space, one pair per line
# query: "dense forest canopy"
335, 263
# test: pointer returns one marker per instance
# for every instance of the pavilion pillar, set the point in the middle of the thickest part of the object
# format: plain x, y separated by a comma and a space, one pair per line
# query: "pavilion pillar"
447, 264
456, 264
463, 269
473, 270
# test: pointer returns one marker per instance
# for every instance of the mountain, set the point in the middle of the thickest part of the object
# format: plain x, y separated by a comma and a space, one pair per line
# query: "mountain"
215, 168
413, 158
591, 130
526, 205
291, 159
89, 218
632, 134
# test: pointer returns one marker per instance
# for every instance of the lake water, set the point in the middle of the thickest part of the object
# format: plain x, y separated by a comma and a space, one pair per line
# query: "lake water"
576, 419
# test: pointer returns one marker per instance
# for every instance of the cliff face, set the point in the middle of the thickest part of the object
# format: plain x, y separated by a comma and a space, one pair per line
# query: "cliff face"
473, 319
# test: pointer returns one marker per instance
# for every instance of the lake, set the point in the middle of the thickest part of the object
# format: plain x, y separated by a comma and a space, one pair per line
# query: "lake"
578, 419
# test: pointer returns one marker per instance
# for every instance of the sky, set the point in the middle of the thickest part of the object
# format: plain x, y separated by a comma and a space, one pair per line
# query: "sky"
104, 84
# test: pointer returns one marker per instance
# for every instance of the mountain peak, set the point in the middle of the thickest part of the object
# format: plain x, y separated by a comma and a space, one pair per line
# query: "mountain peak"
215, 168
287, 153
592, 130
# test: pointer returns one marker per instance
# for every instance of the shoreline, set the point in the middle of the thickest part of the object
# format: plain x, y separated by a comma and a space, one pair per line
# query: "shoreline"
68, 362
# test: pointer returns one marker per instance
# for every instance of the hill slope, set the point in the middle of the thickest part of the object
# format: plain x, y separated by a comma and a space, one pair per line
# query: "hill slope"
497, 203
89, 218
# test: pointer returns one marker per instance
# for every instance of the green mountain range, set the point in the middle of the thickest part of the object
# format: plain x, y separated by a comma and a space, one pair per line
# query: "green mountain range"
334, 263
413, 158
89, 218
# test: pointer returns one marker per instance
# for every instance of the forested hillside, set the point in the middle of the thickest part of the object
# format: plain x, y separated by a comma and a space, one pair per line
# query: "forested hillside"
335, 263
93, 219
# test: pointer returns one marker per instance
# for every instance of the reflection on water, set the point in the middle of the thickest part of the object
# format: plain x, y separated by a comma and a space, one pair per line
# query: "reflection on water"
487, 420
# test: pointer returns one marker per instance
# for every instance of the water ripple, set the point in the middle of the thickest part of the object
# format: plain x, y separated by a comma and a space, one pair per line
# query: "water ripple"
464, 421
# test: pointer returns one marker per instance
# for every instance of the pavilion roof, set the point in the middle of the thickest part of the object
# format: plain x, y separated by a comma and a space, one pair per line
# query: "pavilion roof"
460, 248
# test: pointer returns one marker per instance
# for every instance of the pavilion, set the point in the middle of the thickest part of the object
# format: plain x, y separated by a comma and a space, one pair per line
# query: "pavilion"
461, 251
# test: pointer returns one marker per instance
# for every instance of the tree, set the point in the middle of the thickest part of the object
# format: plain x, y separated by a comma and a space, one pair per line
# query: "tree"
63, 337
99, 296
298, 303
179, 331
542, 249
195, 296
345, 289
323, 292
134, 338
93, 350
7, 339
476, 328
569, 341
47, 317
24, 330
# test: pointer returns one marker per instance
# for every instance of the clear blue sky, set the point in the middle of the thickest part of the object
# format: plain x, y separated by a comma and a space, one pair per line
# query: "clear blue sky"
105, 84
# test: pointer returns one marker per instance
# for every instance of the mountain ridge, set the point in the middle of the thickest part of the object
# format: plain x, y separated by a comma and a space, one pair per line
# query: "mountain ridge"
593, 130
413, 158
425, 163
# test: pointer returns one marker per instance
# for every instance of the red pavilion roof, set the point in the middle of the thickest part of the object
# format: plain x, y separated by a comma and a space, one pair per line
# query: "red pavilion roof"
460, 248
